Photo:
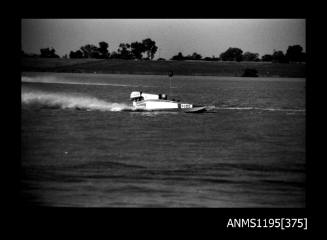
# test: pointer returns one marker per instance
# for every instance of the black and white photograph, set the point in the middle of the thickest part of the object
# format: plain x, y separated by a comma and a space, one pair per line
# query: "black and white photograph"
163, 113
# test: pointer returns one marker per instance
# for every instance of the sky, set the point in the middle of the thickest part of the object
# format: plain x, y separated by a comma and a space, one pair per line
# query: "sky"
207, 37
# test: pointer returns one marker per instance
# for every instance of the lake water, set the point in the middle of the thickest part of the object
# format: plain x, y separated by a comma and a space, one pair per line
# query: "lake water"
83, 146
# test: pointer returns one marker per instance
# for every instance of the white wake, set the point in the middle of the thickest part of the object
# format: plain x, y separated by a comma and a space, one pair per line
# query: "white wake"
256, 108
67, 101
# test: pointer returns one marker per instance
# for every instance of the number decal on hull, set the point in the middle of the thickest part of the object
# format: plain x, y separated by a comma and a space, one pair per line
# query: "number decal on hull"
186, 105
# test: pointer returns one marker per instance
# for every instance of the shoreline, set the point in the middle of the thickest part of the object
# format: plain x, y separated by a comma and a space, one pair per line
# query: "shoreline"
164, 77
180, 68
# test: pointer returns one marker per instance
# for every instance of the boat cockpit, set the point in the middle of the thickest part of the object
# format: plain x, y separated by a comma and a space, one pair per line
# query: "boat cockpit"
137, 99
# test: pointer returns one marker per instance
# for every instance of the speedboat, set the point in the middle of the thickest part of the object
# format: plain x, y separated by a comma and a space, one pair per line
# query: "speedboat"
160, 102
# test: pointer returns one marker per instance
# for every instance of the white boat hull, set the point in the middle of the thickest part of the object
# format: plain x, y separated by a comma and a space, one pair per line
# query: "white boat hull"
159, 102
165, 105
156, 105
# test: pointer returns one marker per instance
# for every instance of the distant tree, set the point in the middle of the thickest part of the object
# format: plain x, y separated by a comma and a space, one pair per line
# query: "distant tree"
48, 53
188, 57
124, 51
267, 58
77, 54
90, 51
207, 59
150, 47
103, 50
178, 57
213, 58
232, 54
137, 48
294, 53
196, 56
248, 56
278, 56
161, 59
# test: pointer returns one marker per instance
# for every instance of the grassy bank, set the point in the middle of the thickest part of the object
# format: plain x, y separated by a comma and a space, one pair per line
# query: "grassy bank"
203, 68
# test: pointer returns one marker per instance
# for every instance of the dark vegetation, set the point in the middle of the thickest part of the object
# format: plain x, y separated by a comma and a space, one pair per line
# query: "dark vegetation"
136, 58
250, 72
121, 66
147, 48
294, 54
135, 50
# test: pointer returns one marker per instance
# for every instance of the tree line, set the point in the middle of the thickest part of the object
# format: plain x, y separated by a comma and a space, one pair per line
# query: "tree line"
293, 54
147, 48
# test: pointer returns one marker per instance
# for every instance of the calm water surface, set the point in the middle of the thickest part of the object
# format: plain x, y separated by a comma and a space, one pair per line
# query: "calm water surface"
83, 146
